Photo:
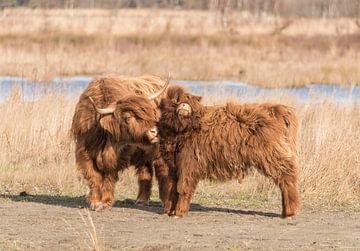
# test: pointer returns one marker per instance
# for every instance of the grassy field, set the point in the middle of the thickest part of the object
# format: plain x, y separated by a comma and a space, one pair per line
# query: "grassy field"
38, 156
267, 51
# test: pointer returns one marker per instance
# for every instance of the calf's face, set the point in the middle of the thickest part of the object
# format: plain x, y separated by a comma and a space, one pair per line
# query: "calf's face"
180, 110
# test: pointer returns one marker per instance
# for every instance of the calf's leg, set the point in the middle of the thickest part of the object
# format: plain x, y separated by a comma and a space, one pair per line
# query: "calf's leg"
172, 196
167, 185
187, 182
287, 182
289, 194
145, 174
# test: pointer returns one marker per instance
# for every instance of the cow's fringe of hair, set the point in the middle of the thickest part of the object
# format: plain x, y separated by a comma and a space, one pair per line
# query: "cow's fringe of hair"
107, 90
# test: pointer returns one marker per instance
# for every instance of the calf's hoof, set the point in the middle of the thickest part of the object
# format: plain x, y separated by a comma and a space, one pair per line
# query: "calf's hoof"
96, 206
168, 212
178, 214
99, 206
142, 203
287, 216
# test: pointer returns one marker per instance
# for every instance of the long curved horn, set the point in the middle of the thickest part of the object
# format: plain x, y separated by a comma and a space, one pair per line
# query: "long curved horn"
108, 110
157, 94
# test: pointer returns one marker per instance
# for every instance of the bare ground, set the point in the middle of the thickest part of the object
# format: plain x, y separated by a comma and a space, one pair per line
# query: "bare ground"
62, 223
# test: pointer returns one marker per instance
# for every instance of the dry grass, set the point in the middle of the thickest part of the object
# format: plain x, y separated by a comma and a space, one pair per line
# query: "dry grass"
91, 233
38, 156
92, 238
267, 51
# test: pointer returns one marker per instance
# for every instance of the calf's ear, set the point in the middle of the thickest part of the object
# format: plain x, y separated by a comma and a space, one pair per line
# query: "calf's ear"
197, 98
109, 124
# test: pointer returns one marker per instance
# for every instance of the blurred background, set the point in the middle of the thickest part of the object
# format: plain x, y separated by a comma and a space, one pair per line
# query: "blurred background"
288, 8
263, 42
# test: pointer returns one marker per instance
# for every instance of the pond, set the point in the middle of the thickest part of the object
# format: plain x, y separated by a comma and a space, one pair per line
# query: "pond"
73, 86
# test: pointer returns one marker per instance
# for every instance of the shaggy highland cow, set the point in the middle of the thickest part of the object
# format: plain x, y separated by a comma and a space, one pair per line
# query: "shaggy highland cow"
121, 133
221, 142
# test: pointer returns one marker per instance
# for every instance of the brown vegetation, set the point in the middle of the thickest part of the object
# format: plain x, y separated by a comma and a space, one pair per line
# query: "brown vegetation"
267, 51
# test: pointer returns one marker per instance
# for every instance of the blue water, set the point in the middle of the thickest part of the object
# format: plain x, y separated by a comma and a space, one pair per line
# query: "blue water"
73, 86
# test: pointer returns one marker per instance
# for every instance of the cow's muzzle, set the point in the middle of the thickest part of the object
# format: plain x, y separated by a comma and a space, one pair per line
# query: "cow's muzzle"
183, 110
153, 135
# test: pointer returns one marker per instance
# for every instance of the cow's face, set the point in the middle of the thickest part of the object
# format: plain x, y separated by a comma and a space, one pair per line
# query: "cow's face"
133, 120
180, 111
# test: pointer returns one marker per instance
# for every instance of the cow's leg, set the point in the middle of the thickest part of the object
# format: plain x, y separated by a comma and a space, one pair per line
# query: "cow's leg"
94, 178
108, 187
145, 174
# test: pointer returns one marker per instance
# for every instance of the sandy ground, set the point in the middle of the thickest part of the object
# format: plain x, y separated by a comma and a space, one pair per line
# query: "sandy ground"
62, 223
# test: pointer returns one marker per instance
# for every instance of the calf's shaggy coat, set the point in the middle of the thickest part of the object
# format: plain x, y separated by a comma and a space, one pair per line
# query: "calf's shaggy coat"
221, 143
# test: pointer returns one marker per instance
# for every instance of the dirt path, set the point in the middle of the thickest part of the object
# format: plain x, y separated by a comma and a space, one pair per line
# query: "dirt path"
56, 223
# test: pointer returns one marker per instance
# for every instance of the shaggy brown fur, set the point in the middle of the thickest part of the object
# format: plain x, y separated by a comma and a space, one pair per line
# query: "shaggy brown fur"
106, 144
221, 143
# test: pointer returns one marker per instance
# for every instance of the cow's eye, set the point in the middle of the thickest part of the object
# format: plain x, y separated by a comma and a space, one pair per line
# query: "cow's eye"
127, 118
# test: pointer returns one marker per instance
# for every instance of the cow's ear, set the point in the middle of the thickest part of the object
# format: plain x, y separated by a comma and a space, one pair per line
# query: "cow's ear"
109, 124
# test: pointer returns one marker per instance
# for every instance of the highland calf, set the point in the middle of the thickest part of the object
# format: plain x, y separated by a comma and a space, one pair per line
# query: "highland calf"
121, 133
221, 143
